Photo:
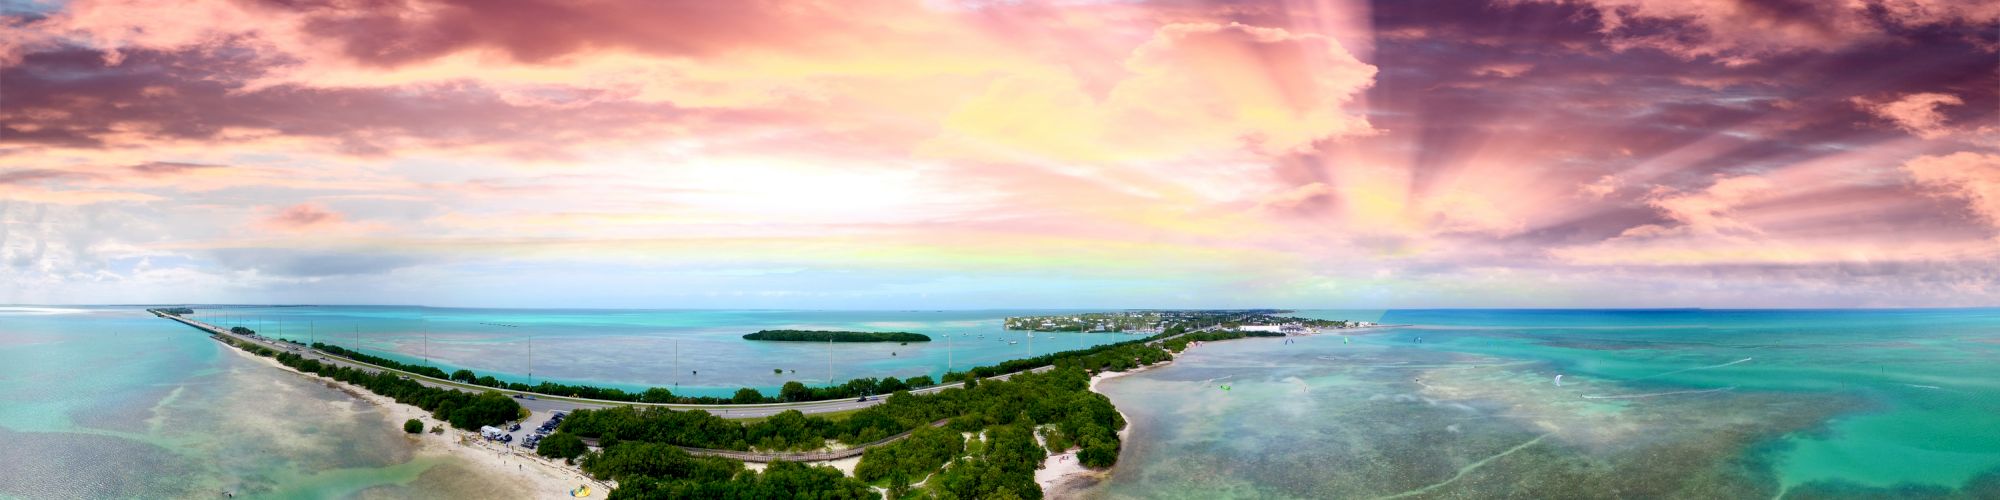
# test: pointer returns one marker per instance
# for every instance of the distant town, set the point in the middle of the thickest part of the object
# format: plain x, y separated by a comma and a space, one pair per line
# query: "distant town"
1153, 322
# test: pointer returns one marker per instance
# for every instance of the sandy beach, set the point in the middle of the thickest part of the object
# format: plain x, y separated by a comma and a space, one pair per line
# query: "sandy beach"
1061, 475
521, 474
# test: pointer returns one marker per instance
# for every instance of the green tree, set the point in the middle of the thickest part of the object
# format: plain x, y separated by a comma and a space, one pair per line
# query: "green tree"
657, 395
747, 396
413, 426
561, 445
794, 391
899, 484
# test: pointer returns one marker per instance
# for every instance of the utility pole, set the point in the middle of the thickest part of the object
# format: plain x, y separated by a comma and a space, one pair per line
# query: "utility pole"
531, 360
427, 343
829, 360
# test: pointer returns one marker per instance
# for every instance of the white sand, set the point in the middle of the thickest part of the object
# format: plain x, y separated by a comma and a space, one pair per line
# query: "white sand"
846, 465
531, 475
1061, 475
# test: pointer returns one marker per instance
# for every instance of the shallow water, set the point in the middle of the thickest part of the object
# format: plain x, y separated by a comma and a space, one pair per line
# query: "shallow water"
113, 403
693, 352
1653, 404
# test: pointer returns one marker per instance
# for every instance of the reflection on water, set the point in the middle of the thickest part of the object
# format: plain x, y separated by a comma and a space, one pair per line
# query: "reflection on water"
111, 403
1683, 404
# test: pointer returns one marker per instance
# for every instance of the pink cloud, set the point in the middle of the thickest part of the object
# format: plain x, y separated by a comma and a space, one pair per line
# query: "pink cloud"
1192, 90
39, 175
1601, 187
1019, 135
1737, 32
301, 217
162, 168
1708, 211
1302, 196
1917, 113
1970, 177
1503, 70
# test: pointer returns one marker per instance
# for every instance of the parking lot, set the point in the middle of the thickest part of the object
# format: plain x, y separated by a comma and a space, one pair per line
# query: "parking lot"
540, 412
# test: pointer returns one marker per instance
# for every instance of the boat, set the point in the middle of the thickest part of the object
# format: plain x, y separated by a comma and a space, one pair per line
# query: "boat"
1012, 342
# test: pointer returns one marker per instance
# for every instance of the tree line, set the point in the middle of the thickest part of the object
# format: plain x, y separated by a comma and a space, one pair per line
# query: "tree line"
793, 391
640, 447
657, 471
1005, 415
1177, 344
461, 409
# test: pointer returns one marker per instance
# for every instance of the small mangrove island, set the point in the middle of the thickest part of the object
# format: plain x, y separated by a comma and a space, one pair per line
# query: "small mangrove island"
835, 336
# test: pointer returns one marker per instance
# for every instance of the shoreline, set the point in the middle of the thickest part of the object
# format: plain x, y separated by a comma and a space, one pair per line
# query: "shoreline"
1061, 475
542, 478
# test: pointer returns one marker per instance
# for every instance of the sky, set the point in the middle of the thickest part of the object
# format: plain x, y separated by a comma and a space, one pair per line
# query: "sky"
947, 154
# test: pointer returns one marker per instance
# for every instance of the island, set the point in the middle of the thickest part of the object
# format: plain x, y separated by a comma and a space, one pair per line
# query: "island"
835, 336
966, 435
1152, 322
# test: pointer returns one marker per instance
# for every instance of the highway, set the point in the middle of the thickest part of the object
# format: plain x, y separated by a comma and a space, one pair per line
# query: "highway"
544, 403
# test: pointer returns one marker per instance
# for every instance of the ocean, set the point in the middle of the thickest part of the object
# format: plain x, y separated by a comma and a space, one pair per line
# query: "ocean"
109, 402
1651, 404
692, 352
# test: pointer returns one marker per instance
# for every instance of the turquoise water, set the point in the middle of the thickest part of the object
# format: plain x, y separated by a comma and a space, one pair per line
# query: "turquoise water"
1653, 404
693, 352
113, 403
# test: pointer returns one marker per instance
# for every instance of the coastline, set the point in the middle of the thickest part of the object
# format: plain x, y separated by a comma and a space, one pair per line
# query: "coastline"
1061, 475
531, 477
